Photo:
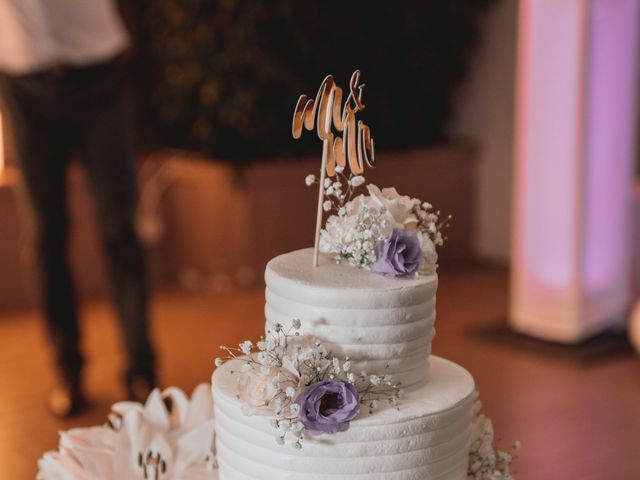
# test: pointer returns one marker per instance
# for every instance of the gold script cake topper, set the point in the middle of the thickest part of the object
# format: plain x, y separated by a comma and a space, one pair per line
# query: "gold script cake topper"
354, 145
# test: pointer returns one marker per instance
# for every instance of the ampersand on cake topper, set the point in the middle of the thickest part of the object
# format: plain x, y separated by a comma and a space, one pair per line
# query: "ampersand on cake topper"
350, 150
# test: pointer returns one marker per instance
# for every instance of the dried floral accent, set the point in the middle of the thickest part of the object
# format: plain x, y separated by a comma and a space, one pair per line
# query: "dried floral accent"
485, 461
297, 381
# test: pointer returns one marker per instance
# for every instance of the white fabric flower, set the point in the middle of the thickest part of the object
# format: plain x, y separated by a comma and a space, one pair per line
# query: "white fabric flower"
399, 206
429, 263
309, 180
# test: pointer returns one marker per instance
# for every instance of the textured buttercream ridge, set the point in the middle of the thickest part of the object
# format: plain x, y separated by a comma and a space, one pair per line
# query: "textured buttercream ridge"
292, 276
406, 436
226, 472
373, 453
374, 335
358, 431
347, 317
379, 469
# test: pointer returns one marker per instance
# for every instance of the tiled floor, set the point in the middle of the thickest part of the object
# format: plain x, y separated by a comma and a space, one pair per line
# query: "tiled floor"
576, 410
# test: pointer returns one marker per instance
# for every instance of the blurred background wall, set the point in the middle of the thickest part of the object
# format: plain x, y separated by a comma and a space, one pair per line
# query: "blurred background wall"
484, 112
214, 86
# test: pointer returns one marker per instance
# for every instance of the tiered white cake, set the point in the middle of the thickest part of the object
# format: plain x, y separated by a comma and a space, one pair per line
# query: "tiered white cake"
383, 325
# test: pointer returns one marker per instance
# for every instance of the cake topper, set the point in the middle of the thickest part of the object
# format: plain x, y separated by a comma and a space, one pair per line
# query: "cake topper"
353, 148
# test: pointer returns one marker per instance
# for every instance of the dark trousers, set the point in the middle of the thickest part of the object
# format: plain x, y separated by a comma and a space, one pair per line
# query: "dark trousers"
53, 115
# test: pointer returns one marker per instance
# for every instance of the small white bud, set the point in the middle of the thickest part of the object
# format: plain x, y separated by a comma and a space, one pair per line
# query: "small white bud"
245, 347
309, 180
357, 181
326, 206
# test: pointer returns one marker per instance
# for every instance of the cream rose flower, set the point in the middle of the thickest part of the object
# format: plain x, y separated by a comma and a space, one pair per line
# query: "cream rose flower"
257, 390
398, 206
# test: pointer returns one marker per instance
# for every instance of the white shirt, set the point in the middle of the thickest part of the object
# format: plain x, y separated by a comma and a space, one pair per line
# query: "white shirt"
38, 34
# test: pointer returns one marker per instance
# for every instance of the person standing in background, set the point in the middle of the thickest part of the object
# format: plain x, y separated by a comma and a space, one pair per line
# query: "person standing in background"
63, 89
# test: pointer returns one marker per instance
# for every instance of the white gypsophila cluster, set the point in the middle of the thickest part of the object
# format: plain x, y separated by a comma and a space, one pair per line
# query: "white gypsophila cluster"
485, 461
338, 189
290, 362
360, 224
354, 233
429, 221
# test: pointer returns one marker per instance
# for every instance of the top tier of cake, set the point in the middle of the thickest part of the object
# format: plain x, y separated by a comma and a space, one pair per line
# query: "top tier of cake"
384, 325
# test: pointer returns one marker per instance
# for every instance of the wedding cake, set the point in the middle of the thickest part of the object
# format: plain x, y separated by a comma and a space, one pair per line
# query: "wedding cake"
382, 324
342, 385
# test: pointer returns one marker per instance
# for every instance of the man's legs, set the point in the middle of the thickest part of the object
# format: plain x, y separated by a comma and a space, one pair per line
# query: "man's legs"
106, 151
43, 152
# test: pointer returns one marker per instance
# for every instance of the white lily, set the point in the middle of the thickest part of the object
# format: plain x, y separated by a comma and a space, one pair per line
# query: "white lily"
146, 441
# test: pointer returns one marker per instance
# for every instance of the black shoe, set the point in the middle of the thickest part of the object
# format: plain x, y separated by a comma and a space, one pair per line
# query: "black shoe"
139, 388
66, 400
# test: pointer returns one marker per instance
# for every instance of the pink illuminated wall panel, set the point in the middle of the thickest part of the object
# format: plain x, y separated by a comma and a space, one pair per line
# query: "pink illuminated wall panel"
575, 126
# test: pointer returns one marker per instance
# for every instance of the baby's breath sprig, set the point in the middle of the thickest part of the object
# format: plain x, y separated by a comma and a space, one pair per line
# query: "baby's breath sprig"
352, 235
300, 362
337, 190
485, 461
429, 222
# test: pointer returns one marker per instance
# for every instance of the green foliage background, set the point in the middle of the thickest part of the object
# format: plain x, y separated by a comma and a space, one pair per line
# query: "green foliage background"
222, 77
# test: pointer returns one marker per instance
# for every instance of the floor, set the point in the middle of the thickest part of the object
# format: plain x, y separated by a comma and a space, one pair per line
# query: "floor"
576, 410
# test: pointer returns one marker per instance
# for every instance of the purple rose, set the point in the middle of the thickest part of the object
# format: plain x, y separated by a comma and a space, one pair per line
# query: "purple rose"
400, 254
328, 406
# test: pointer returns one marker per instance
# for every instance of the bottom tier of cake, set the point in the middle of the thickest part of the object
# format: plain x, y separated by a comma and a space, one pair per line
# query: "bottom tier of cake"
427, 438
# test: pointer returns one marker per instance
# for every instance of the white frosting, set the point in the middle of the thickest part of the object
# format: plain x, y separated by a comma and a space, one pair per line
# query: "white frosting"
426, 439
373, 319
